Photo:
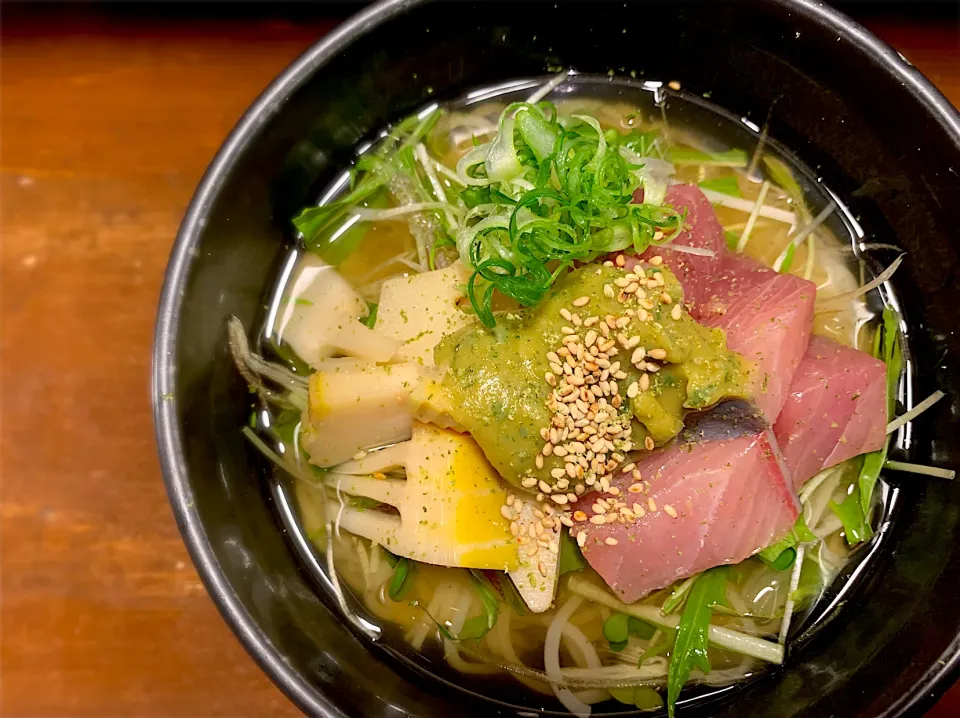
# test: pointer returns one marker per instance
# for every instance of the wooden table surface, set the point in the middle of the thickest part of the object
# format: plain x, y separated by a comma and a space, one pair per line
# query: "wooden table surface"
108, 121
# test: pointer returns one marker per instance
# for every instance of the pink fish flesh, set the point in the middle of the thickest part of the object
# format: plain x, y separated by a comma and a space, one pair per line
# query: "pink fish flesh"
836, 409
767, 317
708, 504
703, 231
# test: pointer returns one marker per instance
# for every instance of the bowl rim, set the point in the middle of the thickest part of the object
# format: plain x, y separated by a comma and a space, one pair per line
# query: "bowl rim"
304, 695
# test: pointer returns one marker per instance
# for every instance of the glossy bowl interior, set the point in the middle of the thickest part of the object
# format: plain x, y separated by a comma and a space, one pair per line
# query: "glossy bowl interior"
873, 128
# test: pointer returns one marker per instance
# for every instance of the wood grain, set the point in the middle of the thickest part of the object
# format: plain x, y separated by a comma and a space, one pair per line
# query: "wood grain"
108, 122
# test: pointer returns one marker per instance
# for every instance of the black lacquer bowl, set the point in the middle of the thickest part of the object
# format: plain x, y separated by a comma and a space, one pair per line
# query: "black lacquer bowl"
851, 108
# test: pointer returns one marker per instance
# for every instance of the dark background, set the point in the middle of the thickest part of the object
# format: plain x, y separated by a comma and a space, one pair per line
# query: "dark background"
109, 115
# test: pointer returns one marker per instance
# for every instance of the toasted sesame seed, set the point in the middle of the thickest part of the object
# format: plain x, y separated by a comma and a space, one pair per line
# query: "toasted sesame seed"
651, 504
572, 497
597, 519
648, 444
582, 539
579, 516
644, 382
567, 330
656, 261
581, 301
565, 313
638, 354
565, 520
676, 312
532, 550
572, 471
608, 291
628, 468
514, 528
559, 499
622, 282
551, 378
507, 513
590, 338
621, 261
529, 482
666, 298
658, 354
672, 512
633, 390
610, 541
635, 488
538, 461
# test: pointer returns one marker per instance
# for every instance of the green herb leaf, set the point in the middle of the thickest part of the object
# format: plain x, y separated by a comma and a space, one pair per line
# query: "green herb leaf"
788, 259
570, 557
690, 645
506, 588
886, 348
726, 185
781, 555
853, 517
402, 580
678, 596
371, 319
687, 156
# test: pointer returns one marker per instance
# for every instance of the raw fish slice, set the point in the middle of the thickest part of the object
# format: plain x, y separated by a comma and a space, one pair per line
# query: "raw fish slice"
730, 499
835, 410
703, 232
767, 316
